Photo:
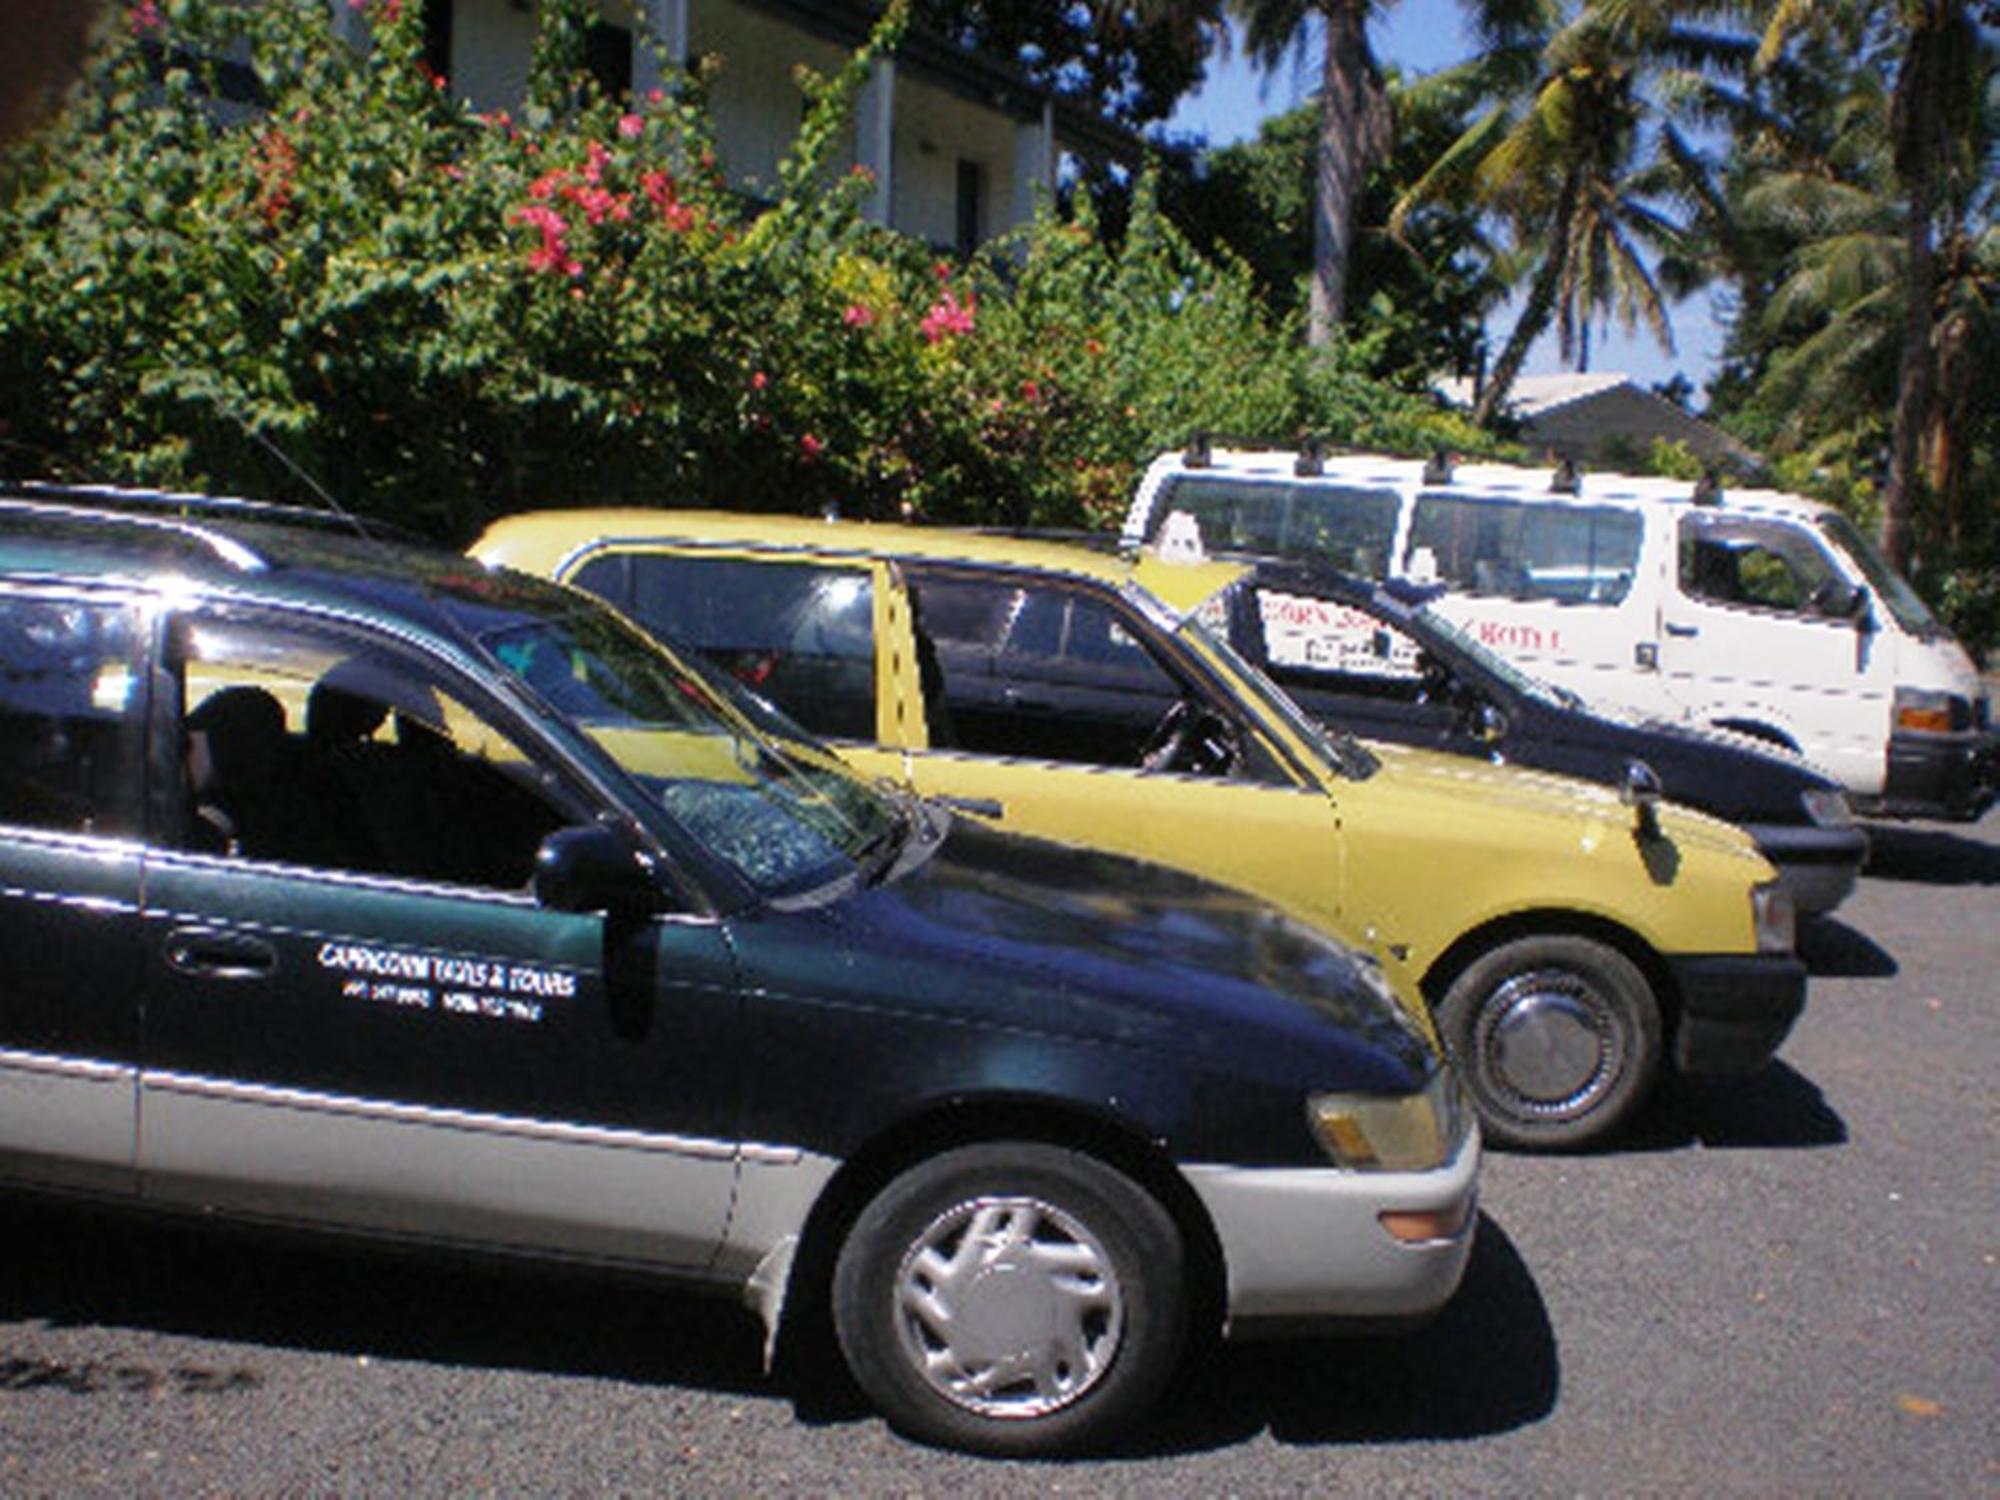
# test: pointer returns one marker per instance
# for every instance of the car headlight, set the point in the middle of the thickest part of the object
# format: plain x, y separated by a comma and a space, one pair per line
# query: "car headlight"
1829, 808
1931, 713
1393, 1132
1775, 920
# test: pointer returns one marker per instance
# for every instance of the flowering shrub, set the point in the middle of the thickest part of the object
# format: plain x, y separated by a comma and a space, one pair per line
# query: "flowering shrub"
441, 316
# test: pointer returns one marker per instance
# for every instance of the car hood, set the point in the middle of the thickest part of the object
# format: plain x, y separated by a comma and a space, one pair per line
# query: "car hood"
1562, 804
1040, 936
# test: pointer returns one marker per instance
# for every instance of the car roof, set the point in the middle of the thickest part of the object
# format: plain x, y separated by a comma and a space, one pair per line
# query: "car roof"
143, 540
1525, 481
548, 542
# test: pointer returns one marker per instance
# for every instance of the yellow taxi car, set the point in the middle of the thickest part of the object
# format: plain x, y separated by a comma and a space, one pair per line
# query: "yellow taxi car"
1569, 939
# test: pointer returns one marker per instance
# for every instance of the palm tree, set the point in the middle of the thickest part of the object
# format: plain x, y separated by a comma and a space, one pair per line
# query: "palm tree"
1580, 163
1941, 67
1830, 336
1353, 131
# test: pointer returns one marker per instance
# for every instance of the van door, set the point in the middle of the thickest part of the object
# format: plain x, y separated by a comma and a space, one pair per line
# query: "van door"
1766, 633
1555, 586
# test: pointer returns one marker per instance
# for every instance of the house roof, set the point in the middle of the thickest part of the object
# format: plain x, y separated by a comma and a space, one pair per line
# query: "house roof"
1587, 412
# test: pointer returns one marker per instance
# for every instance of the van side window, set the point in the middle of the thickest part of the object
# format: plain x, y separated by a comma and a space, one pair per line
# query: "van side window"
1574, 554
798, 633
323, 750
71, 705
1755, 563
1347, 527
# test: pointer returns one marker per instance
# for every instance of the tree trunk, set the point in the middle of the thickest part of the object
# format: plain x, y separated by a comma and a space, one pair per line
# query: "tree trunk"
1534, 315
1349, 128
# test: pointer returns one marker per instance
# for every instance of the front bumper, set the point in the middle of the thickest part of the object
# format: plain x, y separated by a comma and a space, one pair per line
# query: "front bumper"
1818, 866
1306, 1245
1954, 776
1736, 1009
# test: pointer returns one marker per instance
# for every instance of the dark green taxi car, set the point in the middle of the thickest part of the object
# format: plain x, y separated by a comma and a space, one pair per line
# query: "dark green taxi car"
358, 886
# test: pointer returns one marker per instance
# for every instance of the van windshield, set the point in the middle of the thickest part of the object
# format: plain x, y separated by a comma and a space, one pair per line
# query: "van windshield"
1897, 596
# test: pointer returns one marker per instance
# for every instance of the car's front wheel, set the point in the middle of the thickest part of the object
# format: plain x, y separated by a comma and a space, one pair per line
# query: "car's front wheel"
1011, 1298
1557, 1039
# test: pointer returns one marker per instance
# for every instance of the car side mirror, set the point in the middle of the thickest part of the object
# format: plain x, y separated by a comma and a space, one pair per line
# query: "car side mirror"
590, 868
1641, 791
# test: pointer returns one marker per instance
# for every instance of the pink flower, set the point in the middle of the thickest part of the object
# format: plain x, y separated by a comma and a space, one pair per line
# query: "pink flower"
810, 446
146, 17
548, 184
1030, 391
758, 380
600, 153
947, 316
857, 316
631, 127
552, 255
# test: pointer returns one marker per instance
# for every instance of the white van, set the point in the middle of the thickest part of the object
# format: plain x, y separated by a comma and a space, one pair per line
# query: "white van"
1748, 610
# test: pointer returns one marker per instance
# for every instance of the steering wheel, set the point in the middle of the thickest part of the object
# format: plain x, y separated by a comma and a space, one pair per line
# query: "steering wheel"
1433, 679
1190, 738
1165, 739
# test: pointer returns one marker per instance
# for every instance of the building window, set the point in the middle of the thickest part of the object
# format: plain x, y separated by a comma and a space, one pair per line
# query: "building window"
971, 189
607, 53
437, 37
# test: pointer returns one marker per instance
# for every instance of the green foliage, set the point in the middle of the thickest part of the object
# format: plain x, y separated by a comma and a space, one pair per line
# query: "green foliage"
440, 316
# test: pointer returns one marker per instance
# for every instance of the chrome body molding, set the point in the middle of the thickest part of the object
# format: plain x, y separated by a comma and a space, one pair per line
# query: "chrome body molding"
197, 1086
65, 1067
1302, 1243
68, 1121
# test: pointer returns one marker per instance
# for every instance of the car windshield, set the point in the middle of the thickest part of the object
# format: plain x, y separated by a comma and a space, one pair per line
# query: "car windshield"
732, 771
1346, 755
1896, 595
1522, 682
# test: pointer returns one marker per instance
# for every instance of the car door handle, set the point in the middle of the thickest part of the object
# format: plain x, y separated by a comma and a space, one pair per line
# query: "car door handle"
1682, 630
204, 953
982, 807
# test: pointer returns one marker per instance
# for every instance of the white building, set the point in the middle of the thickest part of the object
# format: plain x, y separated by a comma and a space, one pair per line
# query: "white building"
958, 146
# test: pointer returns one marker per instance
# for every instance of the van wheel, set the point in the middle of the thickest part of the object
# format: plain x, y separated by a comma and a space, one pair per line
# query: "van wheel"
1557, 1040
1011, 1298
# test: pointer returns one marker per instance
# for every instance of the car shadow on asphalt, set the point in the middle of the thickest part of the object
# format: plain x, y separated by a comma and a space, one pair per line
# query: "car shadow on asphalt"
1774, 1109
1486, 1364
73, 1265
1831, 949
1930, 856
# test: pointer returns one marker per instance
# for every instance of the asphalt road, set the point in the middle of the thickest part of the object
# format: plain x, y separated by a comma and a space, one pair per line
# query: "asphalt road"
1785, 1285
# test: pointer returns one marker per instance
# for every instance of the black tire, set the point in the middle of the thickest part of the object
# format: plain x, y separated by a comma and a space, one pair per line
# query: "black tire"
1067, 1313
1557, 1040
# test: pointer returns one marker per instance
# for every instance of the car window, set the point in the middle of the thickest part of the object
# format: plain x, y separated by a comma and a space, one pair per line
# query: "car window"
1037, 670
1761, 564
1351, 527
801, 634
1574, 554
71, 715
323, 750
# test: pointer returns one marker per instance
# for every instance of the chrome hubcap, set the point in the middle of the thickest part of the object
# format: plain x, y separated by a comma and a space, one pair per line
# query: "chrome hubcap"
1548, 1044
1008, 1307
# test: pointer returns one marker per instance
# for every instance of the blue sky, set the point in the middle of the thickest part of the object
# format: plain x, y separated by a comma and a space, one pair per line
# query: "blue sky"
1422, 36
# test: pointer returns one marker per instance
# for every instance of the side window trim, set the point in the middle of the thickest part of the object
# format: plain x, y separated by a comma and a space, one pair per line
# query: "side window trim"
554, 781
